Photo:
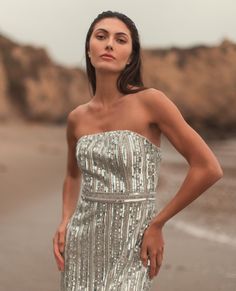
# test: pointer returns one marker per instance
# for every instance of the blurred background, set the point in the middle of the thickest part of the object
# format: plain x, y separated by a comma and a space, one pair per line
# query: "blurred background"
188, 52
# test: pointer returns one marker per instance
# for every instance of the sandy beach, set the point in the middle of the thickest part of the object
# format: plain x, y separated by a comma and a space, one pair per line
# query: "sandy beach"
200, 242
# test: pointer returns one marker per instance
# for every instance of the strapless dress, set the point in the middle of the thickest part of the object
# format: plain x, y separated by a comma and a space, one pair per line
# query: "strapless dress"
117, 200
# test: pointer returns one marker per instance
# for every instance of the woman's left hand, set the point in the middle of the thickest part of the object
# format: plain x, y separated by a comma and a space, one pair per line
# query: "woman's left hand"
152, 248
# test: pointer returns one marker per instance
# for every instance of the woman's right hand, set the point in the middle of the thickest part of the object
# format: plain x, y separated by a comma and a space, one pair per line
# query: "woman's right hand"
59, 245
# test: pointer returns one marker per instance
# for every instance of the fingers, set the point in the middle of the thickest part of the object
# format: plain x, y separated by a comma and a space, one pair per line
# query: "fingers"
155, 258
159, 259
144, 255
156, 262
153, 265
61, 242
57, 252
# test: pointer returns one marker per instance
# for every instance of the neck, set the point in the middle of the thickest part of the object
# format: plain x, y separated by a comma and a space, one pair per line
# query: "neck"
106, 89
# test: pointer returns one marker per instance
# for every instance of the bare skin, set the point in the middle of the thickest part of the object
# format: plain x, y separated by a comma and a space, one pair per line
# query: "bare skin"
149, 113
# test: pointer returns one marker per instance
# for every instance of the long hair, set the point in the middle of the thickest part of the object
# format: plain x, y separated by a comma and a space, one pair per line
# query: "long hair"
131, 74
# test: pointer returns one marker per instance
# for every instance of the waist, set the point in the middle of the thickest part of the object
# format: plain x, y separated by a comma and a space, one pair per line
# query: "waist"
119, 196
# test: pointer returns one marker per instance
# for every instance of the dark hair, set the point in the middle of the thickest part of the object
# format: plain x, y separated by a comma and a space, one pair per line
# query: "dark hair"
131, 75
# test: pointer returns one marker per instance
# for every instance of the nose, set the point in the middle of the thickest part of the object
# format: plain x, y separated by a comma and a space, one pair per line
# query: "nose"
109, 47
109, 44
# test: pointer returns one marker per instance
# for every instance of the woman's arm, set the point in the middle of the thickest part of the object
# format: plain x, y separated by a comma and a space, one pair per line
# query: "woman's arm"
204, 168
203, 172
71, 188
71, 185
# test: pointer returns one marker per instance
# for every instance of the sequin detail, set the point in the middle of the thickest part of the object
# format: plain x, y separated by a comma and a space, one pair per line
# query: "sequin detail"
120, 172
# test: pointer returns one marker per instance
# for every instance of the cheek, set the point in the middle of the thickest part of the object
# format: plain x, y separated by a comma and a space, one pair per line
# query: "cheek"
124, 55
93, 45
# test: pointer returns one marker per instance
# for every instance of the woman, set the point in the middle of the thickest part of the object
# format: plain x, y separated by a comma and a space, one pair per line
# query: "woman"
111, 237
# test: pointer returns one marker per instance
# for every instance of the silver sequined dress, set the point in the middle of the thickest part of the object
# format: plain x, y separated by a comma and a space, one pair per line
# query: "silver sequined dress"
120, 173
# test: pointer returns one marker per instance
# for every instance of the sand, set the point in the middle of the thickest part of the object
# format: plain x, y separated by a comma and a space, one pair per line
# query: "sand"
32, 169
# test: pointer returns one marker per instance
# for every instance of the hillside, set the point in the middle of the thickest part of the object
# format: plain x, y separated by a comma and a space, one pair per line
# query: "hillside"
201, 80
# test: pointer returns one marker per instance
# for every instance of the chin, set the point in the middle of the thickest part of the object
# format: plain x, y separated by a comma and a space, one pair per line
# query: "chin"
108, 68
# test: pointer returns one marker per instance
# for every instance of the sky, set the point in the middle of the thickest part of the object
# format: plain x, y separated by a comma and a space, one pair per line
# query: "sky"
60, 26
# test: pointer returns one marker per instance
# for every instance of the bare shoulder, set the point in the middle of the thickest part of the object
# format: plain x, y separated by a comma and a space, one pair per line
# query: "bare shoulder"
156, 100
172, 124
73, 118
161, 108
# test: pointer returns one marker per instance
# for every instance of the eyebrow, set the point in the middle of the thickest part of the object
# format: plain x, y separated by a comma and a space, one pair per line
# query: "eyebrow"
107, 31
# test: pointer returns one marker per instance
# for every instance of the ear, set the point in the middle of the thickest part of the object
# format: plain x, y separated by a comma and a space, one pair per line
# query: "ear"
129, 61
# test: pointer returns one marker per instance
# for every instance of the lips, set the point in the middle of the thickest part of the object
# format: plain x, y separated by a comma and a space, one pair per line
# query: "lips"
107, 55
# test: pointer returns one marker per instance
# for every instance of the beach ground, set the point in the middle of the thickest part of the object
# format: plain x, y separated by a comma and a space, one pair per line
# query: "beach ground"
200, 242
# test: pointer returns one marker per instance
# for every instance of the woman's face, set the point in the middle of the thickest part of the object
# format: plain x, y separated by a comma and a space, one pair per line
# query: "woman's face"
110, 36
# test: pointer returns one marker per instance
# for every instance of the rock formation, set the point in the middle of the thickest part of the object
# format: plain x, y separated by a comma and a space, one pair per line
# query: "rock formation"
201, 80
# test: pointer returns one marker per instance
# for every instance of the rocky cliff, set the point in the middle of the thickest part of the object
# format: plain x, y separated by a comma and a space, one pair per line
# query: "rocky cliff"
32, 87
201, 80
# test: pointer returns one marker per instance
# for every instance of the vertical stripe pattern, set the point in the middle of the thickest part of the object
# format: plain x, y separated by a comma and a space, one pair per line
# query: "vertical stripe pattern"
120, 172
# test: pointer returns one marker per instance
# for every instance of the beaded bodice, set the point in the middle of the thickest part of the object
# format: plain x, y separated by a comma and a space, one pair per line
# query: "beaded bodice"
120, 173
118, 161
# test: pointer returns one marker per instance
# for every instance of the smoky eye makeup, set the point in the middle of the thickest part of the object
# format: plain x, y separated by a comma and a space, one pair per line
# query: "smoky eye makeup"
100, 36
103, 32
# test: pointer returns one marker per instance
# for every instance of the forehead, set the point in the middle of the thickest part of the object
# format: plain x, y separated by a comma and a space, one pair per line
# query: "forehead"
112, 25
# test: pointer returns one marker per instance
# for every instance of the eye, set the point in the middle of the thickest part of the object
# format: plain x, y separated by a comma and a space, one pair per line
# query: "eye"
100, 36
122, 40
